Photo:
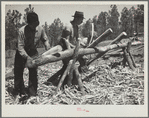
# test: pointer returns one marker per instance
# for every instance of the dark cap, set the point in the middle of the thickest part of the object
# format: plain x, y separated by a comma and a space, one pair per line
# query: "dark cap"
32, 17
79, 14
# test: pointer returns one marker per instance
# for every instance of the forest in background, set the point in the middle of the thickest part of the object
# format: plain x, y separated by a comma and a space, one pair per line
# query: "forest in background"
129, 20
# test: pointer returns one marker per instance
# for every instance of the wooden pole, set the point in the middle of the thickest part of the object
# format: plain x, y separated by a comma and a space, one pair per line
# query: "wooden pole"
92, 33
75, 55
64, 75
131, 57
127, 56
80, 84
100, 38
54, 49
55, 76
117, 39
82, 51
133, 61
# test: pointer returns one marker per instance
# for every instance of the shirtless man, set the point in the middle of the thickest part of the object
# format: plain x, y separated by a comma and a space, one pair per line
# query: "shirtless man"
71, 34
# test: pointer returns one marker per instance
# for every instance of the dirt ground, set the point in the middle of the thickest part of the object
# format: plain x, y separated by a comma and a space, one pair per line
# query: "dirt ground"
106, 83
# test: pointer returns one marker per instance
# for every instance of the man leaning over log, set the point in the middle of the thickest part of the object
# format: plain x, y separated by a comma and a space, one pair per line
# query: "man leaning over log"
28, 39
71, 32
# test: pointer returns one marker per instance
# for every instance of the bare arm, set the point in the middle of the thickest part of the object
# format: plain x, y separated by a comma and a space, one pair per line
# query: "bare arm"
45, 40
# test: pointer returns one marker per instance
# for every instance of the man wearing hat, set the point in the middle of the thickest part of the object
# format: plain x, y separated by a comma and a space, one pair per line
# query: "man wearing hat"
29, 36
71, 30
71, 33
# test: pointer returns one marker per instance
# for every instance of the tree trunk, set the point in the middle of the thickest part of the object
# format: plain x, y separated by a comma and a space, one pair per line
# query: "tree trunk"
69, 53
100, 38
75, 55
117, 39
64, 75
127, 57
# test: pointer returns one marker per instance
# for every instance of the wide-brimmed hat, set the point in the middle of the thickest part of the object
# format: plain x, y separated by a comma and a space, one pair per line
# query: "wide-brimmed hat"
79, 14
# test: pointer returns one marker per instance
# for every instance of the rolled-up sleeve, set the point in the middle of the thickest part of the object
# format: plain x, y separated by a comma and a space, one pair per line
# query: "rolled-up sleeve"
21, 44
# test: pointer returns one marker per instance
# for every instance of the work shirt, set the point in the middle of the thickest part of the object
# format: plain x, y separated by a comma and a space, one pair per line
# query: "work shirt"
29, 39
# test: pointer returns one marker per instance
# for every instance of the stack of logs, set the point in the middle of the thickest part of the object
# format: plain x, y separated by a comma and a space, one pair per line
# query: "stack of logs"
69, 73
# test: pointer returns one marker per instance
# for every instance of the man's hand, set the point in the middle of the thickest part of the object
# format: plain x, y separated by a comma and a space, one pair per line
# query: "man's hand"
29, 63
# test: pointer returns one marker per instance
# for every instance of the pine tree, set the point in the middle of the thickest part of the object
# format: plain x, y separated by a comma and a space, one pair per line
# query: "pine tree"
12, 20
55, 31
28, 10
139, 18
102, 22
46, 28
125, 20
131, 21
113, 21
87, 28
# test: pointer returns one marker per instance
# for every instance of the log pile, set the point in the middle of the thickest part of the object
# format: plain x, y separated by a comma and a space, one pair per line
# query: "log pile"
69, 73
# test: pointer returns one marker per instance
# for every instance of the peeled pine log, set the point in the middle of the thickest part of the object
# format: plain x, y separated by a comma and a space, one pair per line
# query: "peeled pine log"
130, 55
133, 61
127, 57
119, 51
64, 75
58, 73
92, 33
58, 48
100, 38
75, 55
80, 84
55, 49
117, 39
112, 54
81, 59
82, 51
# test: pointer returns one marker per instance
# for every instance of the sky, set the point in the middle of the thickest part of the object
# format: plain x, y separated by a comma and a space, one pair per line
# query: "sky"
47, 11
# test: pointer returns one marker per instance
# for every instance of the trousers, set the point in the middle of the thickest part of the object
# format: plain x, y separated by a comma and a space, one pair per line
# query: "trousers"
19, 66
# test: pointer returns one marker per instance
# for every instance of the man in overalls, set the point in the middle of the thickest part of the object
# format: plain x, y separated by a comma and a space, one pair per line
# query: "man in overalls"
29, 36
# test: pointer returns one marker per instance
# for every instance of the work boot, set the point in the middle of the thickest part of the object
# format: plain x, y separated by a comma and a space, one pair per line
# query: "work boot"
17, 96
12, 91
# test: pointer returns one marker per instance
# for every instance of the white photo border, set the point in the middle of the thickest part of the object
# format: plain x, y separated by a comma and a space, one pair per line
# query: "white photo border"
71, 110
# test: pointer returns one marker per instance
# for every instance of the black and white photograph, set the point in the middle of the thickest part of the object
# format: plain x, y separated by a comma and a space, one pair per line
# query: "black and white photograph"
74, 59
